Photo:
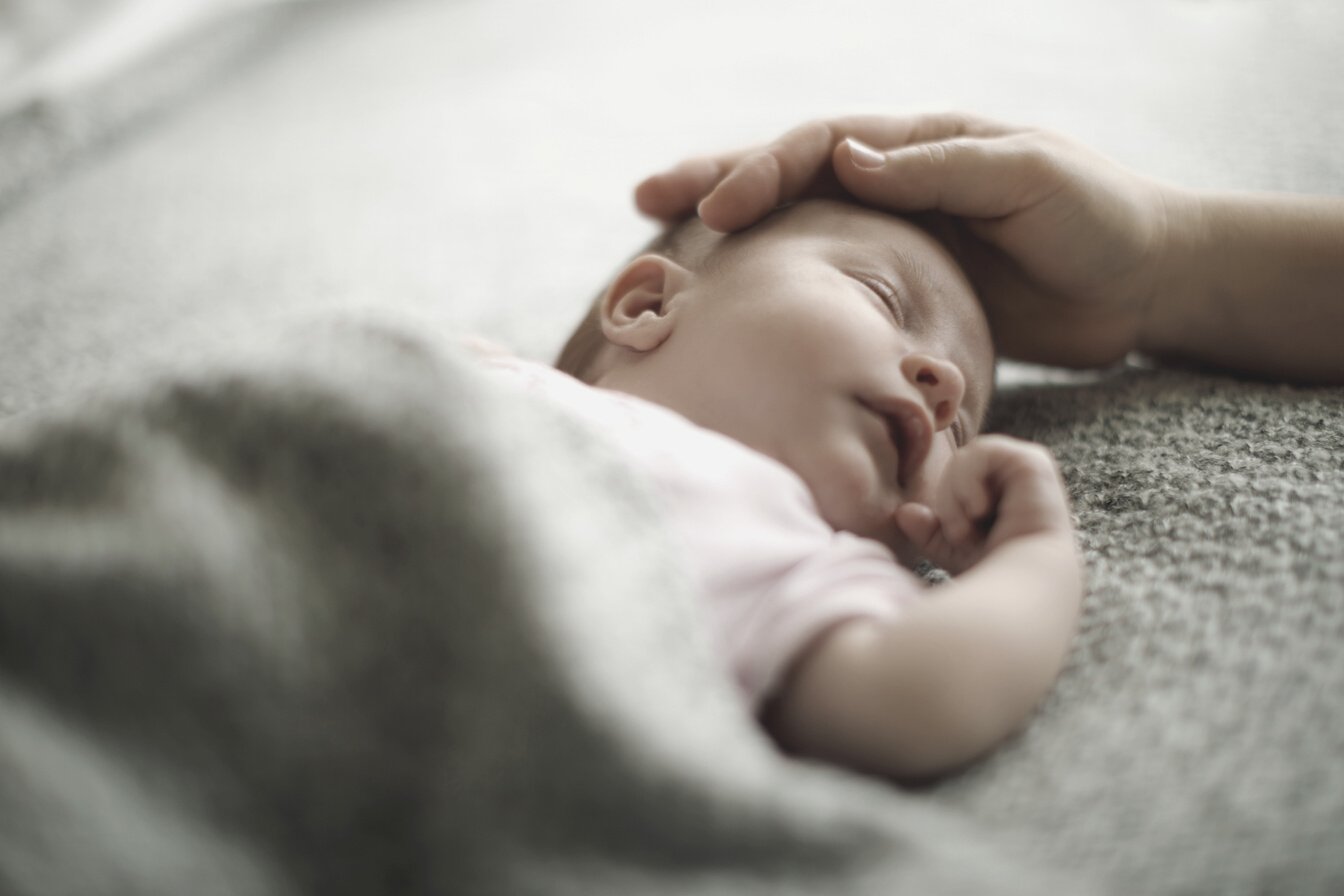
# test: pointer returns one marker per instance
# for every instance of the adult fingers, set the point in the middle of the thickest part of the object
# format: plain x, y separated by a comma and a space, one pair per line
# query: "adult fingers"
799, 164
672, 194
974, 177
778, 173
735, 189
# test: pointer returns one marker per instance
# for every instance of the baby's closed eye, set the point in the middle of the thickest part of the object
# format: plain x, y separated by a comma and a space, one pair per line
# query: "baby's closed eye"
885, 292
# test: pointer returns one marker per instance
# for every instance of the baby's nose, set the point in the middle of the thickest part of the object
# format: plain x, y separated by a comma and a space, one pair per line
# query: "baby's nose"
939, 382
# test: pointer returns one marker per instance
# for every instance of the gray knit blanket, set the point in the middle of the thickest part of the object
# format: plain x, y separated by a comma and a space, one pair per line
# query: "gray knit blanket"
339, 616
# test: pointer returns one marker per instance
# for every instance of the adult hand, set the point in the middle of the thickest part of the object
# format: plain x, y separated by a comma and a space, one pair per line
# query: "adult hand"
1064, 247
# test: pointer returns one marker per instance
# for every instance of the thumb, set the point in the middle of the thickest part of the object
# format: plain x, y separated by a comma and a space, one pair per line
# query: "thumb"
918, 523
973, 177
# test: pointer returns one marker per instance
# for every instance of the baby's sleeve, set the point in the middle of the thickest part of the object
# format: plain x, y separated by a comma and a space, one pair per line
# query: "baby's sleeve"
773, 574
764, 630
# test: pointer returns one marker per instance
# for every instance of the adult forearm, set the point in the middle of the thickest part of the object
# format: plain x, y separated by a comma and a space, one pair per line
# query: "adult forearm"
1254, 283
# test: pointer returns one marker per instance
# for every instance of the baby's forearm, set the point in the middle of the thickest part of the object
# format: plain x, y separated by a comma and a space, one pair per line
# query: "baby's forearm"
1254, 283
943, 684
992, 643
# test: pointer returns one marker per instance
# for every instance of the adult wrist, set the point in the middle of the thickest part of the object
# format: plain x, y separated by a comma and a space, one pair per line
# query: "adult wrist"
1180, 292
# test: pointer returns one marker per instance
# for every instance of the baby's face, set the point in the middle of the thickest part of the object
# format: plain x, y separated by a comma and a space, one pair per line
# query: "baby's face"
846, 344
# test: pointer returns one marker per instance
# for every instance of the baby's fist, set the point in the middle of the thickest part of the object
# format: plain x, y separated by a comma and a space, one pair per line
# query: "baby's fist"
994, 490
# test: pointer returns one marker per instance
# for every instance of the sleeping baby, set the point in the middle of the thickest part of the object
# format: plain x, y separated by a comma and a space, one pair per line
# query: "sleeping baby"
806, 398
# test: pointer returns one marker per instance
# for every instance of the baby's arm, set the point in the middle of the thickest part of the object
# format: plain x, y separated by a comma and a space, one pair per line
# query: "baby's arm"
960, 671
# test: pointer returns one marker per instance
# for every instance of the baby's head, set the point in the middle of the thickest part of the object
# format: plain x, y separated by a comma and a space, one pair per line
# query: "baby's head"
843, 342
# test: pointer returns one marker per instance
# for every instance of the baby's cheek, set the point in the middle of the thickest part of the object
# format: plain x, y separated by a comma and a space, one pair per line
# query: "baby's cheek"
852, 493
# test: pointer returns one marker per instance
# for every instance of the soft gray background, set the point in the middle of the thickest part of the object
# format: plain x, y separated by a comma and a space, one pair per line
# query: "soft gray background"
472, 161
475, 159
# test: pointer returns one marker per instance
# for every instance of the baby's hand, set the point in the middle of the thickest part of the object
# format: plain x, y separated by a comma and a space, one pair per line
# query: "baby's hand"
994, 490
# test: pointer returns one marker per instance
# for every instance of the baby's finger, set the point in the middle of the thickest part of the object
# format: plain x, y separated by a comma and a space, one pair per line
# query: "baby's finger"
921, 526
970, 485
957, 527
917, 523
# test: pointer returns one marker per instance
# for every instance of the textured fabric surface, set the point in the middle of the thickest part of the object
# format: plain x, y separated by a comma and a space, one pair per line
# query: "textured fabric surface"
329, 619
770, 573
75, 74
472, 161
1191, 745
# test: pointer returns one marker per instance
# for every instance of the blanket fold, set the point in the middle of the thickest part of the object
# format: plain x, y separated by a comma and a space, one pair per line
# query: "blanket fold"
339, 615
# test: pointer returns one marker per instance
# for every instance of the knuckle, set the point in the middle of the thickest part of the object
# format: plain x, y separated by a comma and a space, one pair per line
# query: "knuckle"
1041, 152
812, 132
764, 160
1042, 452
1036, 158
957, 121
1030, 455
990, 442
1040, 458
799, 150
1040, 164
800, 141
934, 153
1052, 139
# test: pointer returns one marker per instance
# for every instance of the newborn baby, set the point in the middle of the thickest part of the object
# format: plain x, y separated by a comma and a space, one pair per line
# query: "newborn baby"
806, 398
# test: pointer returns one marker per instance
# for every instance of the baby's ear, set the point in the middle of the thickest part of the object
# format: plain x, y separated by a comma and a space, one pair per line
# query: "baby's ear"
639, 311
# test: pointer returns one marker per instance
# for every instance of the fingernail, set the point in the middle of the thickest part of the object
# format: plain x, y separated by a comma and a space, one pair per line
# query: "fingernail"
865, 156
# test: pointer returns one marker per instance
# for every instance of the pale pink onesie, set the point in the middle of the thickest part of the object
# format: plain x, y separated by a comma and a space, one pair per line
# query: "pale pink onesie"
773, 574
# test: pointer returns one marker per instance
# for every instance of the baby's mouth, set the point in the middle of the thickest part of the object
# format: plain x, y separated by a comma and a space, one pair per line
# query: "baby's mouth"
911, 434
